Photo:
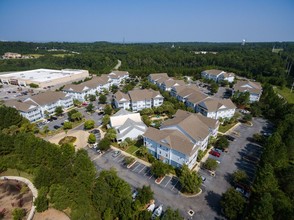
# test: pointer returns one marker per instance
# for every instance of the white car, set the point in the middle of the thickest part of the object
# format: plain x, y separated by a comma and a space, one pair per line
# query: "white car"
157, 212
151, 208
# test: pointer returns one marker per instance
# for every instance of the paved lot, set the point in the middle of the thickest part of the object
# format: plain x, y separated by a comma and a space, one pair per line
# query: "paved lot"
206, 205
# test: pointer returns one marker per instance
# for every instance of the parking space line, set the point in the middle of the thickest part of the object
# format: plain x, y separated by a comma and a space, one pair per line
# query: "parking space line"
142, 168
175, 185
146, 172
121, 160
136, 166
151, 176
139, 167
168, 182
117, 157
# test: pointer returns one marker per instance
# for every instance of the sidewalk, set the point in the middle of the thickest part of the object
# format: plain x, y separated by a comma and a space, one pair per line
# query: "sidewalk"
30, 185
231, 129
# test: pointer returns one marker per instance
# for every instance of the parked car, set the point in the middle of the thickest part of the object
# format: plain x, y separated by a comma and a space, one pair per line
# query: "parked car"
157, 212
116, 153
56, 126
53, 118
134, 195
99, 151
203, 178
218, 150
230, 138
214, 153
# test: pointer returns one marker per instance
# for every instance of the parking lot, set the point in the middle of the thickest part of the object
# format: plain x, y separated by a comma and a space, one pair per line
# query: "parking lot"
138, 169
206, 205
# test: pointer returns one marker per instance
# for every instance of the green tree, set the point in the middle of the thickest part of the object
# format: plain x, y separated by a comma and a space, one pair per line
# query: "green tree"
263, 209
145, 194
240, 176
18, 213
190, 181
247, 117
110, 134
60, 196
104, 144
58, 110
210, 164
41, 201
92, 98
90, 108
76, 116
102, 99
159, 169
222, 143
33, 85
232, 203
146, 120
114, 89
89, 124
105, 120
67, 125
170, 214
108, 110
241, 98
91, 138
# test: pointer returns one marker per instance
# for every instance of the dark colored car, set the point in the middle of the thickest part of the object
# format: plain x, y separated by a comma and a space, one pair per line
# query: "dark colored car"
54, 118
56, 126
230, 138
214, 153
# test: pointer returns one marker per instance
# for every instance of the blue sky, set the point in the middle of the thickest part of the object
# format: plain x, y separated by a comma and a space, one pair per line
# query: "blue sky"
147, 21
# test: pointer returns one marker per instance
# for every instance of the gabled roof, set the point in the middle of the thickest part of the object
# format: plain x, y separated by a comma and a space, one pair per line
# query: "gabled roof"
215, 104
182, 88
142, 94
192, 124
213, 72
252, 87
47, 97
121, 97
21, 106
119, 118
156, 76
171, 82
172, 139
188, 90
118, 74
196, 97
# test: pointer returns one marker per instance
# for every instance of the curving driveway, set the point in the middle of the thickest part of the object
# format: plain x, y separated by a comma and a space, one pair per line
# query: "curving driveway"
30, 185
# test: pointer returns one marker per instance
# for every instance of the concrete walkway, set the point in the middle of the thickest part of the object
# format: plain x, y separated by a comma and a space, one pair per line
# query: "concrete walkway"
32, 188
230, 130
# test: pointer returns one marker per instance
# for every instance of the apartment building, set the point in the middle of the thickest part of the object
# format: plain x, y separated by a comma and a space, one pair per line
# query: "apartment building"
216, 108
179, 139
117, 77
28, 109
254, 89
127, 125
218, 75
138, 99
157, 78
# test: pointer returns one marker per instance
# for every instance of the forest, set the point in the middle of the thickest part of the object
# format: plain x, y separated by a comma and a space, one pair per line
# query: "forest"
253, 60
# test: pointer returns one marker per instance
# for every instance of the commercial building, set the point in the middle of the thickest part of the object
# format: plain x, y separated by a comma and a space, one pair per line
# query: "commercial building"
254, 89
127, 125
179, 139
138, 99
43, 77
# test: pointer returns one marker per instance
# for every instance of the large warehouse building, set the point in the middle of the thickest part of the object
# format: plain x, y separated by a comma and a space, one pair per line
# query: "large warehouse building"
43, 77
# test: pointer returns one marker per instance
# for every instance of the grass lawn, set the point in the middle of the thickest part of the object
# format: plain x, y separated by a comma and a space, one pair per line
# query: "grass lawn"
286, 93
67, 140
225, 128
132, 149
15, 172
61, 55
34, 55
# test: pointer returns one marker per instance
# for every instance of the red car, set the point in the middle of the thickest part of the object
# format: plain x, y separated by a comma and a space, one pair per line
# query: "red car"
214, 153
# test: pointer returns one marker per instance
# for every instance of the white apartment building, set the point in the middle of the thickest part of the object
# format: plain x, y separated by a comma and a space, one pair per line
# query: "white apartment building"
138, 99
218, 75
180, 138
254, 89
116, 77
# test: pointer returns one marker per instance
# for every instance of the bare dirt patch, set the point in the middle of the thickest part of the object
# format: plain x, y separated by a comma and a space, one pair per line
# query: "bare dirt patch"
14, 194
51, 214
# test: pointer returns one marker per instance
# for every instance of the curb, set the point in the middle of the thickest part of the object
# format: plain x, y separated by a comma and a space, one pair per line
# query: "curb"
191, 196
